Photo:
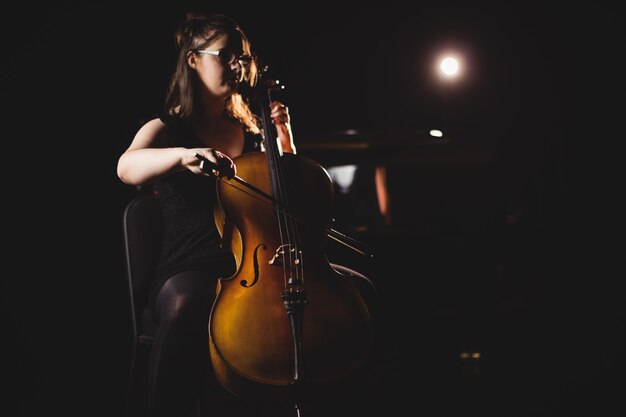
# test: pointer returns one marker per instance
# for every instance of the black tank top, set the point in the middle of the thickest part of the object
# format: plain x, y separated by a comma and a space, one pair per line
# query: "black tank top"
191, 241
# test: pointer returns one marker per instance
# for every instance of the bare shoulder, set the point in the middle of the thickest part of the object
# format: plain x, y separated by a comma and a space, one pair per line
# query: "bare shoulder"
152, 134
152, 127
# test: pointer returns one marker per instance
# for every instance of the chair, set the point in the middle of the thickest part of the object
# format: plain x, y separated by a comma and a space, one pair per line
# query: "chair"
143, 235
142, 222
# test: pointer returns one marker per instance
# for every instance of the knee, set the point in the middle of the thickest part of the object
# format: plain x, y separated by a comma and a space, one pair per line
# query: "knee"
184, 309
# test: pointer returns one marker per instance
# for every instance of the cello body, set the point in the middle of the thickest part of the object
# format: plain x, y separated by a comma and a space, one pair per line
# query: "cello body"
286, 317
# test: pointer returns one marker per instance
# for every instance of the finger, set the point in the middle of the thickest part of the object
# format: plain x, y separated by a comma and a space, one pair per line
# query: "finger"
282, 119
277, 106
217, 155
226, 167
205, 164
280, 111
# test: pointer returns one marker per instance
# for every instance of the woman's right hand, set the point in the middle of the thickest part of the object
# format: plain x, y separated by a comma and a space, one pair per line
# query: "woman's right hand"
209, 161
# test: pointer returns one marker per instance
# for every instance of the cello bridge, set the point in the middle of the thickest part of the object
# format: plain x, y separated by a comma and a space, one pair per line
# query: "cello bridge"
286, 255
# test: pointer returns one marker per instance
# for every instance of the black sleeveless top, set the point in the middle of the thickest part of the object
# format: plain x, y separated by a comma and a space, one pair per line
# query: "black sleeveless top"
191, 241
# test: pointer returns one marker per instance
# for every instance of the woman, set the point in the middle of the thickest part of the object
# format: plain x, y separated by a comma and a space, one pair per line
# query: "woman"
204, 114
205, 119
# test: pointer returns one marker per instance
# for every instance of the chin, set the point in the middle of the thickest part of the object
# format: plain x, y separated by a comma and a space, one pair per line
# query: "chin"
231, 85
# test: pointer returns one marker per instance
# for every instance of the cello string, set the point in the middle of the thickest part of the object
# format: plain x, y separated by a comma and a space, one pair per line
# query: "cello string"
295, 252
330, 233
277, 178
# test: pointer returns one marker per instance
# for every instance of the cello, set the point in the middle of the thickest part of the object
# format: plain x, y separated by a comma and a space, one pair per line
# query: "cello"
286, 321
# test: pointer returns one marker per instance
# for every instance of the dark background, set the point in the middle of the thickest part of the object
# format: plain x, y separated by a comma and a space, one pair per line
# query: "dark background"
505, 237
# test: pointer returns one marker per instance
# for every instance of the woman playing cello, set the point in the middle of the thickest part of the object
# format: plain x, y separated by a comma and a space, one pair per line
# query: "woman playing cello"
204, 115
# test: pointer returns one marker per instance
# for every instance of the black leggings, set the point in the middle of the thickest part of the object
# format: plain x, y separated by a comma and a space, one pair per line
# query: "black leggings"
180, 353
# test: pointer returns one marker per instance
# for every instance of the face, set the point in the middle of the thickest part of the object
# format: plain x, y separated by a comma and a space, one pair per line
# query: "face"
219, 78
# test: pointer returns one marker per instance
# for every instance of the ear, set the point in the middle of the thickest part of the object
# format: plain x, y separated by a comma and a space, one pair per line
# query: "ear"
192, 59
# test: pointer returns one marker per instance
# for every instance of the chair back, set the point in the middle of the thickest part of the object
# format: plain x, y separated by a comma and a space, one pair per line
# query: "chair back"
143, 236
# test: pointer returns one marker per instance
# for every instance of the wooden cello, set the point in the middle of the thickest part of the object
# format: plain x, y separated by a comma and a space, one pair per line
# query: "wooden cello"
286, 318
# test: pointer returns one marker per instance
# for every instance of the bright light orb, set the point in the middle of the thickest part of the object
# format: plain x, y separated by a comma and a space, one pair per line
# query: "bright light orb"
449, 66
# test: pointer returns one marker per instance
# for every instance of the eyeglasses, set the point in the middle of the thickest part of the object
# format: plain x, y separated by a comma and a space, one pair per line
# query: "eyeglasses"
227, 57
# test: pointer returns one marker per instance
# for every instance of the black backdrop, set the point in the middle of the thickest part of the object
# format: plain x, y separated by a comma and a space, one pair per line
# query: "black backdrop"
542, 95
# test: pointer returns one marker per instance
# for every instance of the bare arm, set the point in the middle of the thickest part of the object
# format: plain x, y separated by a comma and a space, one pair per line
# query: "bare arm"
148, 159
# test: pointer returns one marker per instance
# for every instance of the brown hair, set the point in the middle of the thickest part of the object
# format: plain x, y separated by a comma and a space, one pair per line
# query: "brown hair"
196, 30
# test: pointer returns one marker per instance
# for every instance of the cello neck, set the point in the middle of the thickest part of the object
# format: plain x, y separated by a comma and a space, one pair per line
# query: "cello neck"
264, 88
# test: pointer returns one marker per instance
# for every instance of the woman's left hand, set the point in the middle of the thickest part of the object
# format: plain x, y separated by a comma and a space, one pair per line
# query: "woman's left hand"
279, 113
281, 119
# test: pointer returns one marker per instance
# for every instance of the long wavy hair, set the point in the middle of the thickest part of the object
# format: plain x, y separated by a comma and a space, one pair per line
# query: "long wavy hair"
196, 30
